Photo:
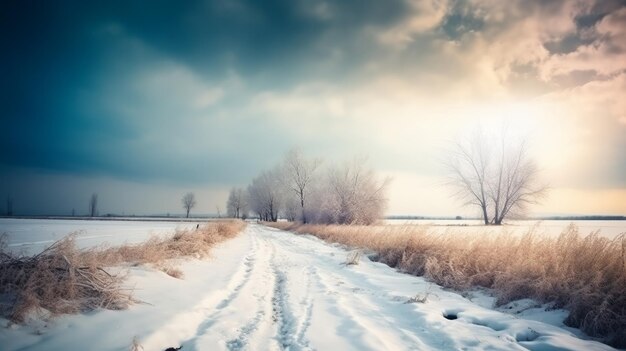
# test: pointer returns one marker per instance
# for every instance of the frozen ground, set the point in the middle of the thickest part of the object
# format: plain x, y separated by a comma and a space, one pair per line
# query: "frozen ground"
609, 229
271, 290
33, 235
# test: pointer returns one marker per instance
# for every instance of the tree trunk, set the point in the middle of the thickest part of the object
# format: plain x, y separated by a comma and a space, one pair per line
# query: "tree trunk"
302, 205
485, 217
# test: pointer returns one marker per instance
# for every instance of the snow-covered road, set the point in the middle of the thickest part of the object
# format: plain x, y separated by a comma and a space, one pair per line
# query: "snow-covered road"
272, 290
295, 292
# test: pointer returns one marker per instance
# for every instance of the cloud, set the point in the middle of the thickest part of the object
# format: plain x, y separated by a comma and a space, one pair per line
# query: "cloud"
424, 15
211, 92
605, 54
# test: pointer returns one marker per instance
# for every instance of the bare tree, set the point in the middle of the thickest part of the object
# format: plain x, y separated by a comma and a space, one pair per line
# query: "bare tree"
299, 173
189, 202
515, 183
502, 180
93, 205
468, 166
237, 205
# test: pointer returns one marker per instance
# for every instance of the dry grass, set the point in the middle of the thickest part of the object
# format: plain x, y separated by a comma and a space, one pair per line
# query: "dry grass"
584, 274
64, 279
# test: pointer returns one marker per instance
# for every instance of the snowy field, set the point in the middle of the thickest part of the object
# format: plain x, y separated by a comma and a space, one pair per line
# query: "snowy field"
271, 290
33, 235
30, 236
609, 229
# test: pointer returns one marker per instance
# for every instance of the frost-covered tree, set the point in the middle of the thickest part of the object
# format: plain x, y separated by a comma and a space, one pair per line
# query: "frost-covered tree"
299, 173
354, 194
237, 205
292, 209
350, 193
266, 194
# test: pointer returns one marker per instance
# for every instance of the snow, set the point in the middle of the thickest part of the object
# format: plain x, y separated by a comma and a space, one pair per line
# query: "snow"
271, 290
609, 229
30, 236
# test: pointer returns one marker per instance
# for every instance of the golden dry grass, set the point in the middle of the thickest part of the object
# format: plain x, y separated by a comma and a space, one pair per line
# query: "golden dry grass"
64, 279
584, 274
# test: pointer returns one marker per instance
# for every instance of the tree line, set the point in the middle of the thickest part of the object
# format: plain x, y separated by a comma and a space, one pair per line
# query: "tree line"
303, 189
491, 172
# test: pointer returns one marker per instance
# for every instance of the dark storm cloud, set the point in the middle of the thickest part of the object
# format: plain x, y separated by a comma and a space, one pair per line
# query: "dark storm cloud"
64, 61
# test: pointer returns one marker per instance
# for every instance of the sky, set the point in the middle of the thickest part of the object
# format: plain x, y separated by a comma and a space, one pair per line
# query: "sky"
141, 102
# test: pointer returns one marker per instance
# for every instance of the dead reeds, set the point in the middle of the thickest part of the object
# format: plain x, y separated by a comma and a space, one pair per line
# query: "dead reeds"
64, 279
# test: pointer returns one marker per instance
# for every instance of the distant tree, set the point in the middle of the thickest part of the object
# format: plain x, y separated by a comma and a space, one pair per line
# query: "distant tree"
501, 179
299, 173
266, 194
236, 206
354, 195
9, 206
93, 205
189, 202
219, 212
350, 193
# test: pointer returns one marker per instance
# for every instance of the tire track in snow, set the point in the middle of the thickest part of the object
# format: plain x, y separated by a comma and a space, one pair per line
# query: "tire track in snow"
291, 330
363, 301
307, 302
245, 271
357, 322
373, 319
352, 297
358, 293
203, 315
246, 333
248, 264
